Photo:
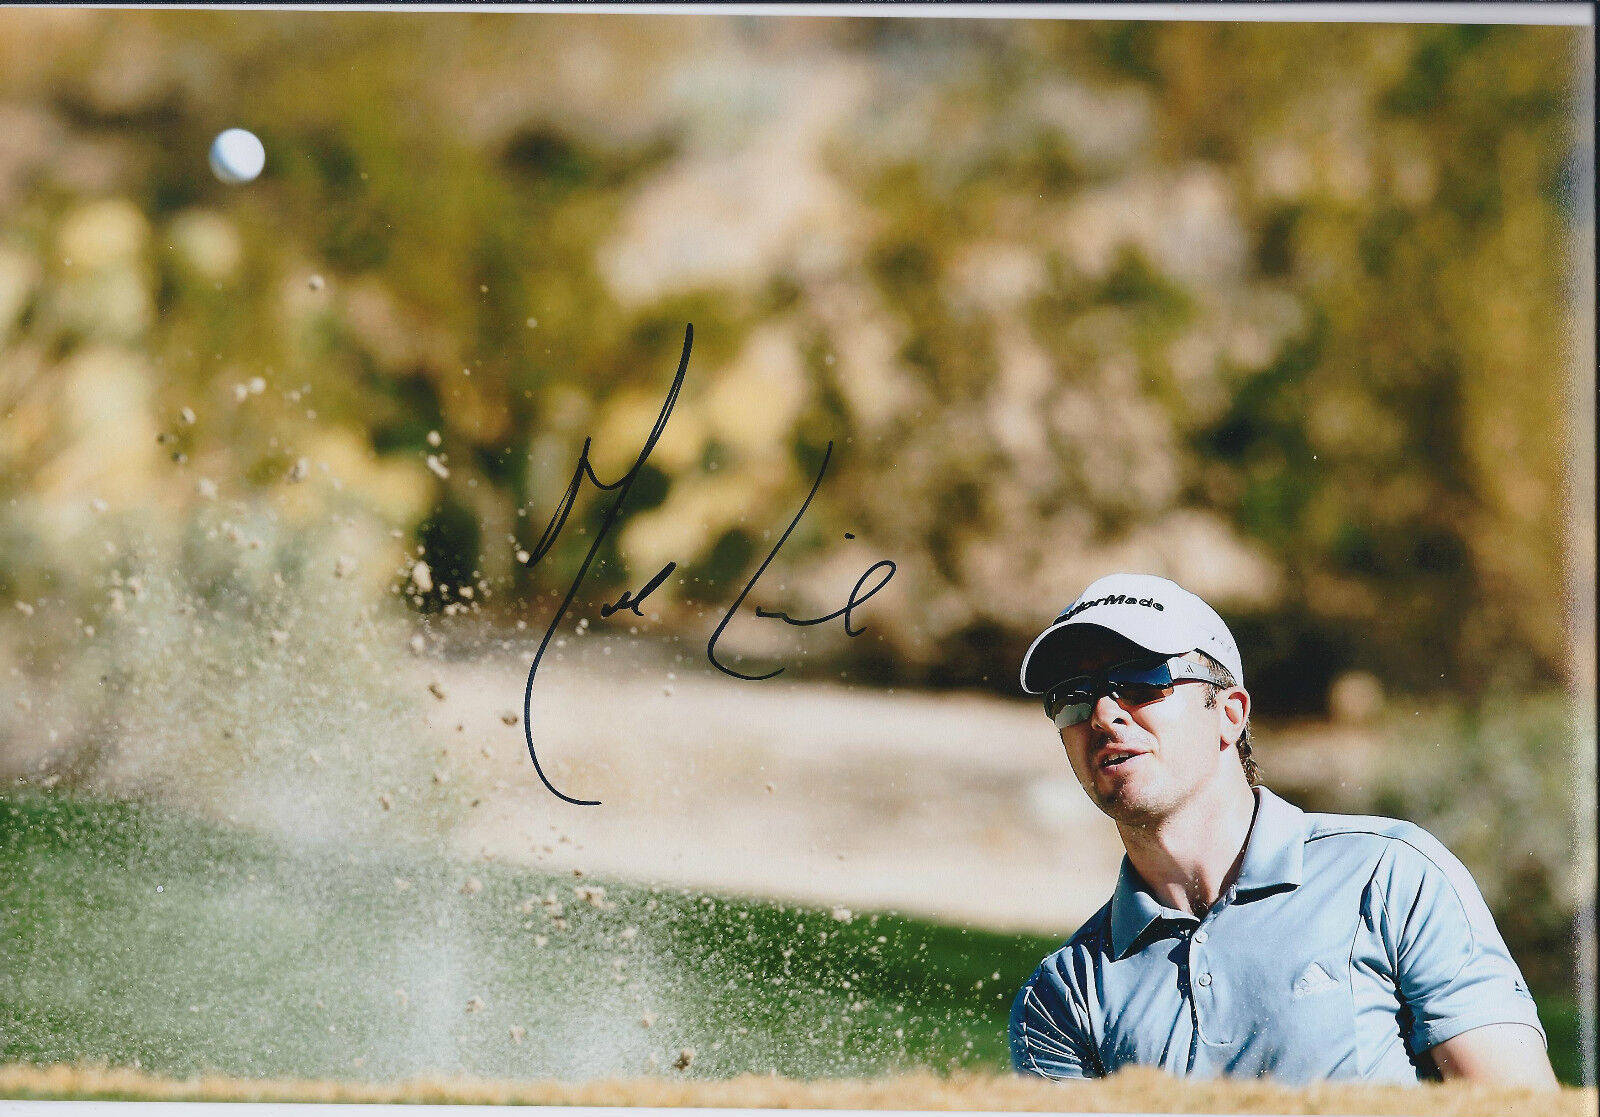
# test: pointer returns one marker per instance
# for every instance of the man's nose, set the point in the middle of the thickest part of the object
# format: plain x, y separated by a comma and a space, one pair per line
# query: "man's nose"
1106, 711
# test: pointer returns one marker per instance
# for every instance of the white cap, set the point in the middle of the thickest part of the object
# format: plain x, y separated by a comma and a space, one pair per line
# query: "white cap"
1156, 613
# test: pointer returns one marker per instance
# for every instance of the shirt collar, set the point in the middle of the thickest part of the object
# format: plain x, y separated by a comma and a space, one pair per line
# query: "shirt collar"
1274, 858
1274, 854
1133, 909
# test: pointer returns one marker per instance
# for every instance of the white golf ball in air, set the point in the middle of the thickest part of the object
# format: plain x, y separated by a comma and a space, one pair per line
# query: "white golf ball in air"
237, 156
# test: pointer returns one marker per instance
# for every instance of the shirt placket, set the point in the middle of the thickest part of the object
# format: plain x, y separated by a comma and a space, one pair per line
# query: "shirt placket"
1205, 995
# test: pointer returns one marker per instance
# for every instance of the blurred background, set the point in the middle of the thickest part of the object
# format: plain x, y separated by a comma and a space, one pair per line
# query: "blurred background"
1299, 316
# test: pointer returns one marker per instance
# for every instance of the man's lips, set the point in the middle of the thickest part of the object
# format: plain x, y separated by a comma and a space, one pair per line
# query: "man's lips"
1112, 756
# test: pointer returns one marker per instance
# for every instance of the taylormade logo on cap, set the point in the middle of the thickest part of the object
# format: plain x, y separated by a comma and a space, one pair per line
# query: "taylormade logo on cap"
1113, 599
1155, 613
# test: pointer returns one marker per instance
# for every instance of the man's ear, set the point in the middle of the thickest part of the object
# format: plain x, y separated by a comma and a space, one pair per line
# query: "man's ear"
1233, 707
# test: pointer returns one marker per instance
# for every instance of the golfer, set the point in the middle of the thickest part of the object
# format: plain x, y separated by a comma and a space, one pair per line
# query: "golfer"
1246, 937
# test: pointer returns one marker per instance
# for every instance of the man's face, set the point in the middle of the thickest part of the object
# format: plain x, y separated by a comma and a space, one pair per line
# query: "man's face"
1141, 764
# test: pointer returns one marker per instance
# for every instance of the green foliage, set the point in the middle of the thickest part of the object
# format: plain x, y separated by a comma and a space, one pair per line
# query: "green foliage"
1303, 284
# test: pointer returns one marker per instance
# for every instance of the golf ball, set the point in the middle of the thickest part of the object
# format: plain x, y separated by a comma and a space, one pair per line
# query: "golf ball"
237, 156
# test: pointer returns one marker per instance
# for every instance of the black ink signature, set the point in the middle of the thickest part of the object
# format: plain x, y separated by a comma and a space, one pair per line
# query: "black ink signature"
632, 601
884, 564
856, 598
558, 521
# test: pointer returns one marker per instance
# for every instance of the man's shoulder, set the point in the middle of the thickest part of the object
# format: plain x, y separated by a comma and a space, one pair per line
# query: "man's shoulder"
1369, 827
1096, 931
1393, 841
1092, 938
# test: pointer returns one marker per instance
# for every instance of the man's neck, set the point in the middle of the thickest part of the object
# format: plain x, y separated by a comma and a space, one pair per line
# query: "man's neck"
1193, 855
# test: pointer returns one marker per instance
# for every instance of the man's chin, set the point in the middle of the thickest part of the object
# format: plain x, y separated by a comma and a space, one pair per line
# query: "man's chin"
1125, 805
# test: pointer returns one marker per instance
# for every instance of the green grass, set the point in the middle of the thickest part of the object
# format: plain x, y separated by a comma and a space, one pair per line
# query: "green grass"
1558, 1012
142, 937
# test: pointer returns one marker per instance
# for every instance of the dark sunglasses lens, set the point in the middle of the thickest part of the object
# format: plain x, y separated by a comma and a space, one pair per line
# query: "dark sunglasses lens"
1070, 702
1061, 698
1137, 694
1072, 709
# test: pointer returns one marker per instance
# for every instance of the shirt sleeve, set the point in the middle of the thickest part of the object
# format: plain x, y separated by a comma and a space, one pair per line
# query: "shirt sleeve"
1451, 967
1049, 1030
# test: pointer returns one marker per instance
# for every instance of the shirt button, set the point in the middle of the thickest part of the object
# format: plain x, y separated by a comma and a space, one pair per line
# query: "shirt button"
1203, 980
1200, 936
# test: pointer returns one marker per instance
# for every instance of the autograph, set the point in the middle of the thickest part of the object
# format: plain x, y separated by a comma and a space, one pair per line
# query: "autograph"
631, 601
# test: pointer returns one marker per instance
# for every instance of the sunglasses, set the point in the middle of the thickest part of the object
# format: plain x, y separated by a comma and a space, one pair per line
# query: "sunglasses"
1134, 683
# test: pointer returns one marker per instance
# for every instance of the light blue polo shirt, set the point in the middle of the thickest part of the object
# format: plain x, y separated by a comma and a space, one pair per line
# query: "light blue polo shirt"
1347, 946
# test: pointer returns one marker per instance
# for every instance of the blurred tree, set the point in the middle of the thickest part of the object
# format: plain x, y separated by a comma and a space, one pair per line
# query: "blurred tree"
1277, 310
